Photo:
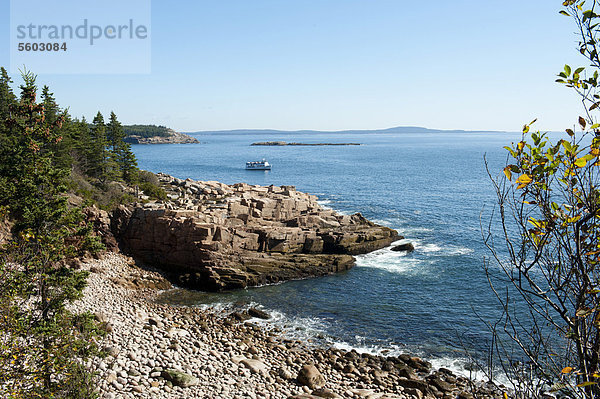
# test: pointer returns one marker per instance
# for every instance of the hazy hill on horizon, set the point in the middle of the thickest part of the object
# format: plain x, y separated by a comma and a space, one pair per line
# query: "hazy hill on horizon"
397, 129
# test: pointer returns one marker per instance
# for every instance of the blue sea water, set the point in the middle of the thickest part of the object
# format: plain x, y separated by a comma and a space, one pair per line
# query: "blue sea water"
431, 187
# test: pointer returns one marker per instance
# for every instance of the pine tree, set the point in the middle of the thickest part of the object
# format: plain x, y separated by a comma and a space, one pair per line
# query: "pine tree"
101, 163
52, 112
7, 97
80, 135
125, 159
41, 351
51, 109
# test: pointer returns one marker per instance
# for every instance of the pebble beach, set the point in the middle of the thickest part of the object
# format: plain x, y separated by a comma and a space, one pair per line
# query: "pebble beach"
156, 350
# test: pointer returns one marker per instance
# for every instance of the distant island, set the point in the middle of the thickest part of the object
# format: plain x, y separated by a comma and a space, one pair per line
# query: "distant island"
283, 143
393, 130
152, 134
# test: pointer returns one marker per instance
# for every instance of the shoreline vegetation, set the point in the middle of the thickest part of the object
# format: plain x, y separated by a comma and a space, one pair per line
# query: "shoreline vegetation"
284, 143
151, 134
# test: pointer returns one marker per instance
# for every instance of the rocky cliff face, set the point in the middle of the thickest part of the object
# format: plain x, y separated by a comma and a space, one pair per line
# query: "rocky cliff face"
213, 236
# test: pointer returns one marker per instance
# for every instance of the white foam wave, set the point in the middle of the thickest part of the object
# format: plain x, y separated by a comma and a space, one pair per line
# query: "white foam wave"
305, 329
446, 250
375, 350
414, 230
427, 248
218, 308
392, 261
383, 222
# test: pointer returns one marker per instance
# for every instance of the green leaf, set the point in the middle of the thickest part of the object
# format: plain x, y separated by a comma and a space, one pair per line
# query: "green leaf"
579, 70
567, 70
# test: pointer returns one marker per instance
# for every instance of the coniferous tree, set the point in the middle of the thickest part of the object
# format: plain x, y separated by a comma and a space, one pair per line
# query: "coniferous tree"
101, 164
121, 150
7, 97
52, 112
80, 136
51, 108
41, 352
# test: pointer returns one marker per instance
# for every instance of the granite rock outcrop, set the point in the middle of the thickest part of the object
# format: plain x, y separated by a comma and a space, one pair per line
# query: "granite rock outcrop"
213, 236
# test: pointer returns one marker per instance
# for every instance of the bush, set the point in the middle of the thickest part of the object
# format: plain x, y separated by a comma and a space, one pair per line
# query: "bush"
153, 191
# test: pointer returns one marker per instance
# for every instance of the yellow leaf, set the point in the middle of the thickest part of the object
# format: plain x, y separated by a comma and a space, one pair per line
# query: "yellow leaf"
585, 384
581, 162
505, 395
524, 179
508, 173
567, 370
520, 145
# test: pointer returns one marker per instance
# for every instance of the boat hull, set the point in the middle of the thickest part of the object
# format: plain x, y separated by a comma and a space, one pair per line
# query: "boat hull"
261, 168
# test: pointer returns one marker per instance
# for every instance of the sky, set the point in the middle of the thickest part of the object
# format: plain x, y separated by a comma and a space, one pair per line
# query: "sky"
337, 64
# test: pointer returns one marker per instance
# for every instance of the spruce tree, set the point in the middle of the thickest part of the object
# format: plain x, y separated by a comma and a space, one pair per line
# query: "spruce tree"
51, 109
125, 159
43, 344
80, 136
7, 97
101, 163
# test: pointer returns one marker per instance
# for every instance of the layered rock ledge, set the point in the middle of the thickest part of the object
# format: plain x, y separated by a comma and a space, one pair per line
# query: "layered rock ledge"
213, 236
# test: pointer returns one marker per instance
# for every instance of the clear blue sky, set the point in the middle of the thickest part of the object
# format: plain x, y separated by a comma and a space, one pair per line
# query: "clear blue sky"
339, 64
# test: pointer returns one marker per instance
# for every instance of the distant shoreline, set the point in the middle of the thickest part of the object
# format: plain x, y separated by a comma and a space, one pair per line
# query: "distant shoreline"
173, 138
283, 143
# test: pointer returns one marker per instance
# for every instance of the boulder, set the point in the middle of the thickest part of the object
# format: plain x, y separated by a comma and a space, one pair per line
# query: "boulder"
408, 247
255, 366
259, 314
310, 376
179, 378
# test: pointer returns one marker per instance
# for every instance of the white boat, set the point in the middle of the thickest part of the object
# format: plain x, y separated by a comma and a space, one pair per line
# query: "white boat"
258, 165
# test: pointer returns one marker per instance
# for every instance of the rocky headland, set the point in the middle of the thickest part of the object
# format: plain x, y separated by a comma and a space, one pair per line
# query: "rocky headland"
172, 138
284, 143
213, 236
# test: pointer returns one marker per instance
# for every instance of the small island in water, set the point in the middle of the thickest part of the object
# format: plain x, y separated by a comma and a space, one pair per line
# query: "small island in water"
283, 143
152, 134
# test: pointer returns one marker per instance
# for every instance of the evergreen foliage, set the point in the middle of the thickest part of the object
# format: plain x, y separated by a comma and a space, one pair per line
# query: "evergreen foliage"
45, 155
43, 345
146, 131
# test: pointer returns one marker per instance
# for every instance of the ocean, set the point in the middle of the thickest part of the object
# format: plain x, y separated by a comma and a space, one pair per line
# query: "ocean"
431, 187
